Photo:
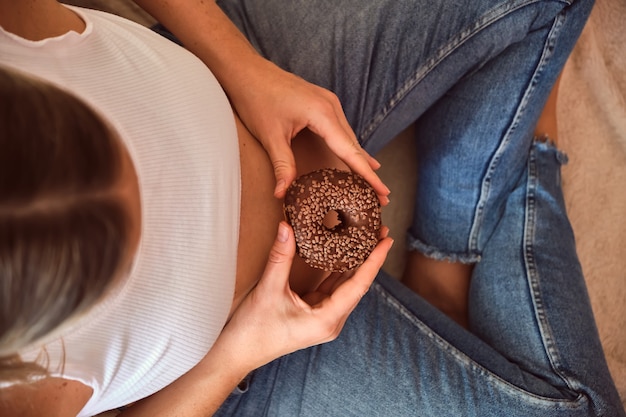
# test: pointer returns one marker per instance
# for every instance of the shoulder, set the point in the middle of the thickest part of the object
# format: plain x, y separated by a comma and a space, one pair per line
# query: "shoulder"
53, 397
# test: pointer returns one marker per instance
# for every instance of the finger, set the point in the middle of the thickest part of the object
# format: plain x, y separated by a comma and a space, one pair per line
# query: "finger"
346, 276
327, 286
345, 145
330, 284
380, 188
276, 274
360, 162
333, 311
348, 294
284, 164
374, 164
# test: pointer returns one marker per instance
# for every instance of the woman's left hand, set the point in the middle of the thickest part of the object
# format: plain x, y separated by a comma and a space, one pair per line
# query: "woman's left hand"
278, 104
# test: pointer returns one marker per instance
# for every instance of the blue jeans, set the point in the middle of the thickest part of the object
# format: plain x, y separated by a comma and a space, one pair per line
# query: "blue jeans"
533, 349
473, 77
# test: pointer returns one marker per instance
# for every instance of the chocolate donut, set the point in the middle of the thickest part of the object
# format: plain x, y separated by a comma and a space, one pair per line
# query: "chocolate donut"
309, 202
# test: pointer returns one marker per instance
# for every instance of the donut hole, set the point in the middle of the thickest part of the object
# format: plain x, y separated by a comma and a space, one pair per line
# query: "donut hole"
332, 219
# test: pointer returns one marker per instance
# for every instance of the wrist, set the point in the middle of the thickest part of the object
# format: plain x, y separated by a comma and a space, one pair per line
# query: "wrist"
224, 363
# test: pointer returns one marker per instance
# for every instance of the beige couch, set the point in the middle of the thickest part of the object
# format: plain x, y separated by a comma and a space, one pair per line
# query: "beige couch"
592, 123
592, 119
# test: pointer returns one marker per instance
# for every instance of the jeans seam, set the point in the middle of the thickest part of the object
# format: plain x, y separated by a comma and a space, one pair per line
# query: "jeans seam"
485, 192
532, 272
487, 19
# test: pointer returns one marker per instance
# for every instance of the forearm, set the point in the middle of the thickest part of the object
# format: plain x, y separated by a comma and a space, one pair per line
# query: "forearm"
199, 392
207, 32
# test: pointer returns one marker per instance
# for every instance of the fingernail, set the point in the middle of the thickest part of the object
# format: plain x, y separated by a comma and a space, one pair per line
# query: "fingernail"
283, 232
280, 186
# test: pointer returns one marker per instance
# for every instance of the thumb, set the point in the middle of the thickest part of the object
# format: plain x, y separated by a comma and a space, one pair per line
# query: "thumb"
280, 257
284, 165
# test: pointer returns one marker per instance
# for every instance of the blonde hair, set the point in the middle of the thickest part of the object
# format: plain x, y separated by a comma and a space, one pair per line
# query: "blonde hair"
63, 230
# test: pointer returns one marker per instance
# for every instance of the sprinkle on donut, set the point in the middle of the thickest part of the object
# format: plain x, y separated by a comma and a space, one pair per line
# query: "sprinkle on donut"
342, 246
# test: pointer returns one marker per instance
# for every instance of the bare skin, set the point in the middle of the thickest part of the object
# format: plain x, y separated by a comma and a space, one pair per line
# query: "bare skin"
446, 284
261, 211
547, 124
38, 26
443, 284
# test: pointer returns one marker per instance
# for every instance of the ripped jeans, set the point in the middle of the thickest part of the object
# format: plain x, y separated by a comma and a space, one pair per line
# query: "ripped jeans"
533, 350
473, 77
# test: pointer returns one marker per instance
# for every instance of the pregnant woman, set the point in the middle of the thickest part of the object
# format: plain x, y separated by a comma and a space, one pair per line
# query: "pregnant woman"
144, 264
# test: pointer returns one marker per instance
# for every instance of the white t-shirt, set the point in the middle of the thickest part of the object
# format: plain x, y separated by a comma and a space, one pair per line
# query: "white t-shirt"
181, 133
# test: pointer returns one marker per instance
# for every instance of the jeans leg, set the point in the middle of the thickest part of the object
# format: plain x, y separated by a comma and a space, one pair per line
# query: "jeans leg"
542, 319
473, 143
474, 75
535, 351
388, 60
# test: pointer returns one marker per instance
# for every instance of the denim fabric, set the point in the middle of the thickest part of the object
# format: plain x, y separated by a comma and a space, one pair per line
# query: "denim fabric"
533, 349
474, 75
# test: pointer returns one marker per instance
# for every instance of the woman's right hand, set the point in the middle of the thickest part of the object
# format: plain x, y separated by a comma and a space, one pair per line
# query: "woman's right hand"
273, 321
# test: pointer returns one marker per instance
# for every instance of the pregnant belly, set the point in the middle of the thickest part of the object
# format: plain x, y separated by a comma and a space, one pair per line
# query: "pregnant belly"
261, 211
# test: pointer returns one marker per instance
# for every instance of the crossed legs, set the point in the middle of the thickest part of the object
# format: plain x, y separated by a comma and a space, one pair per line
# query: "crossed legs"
445, 284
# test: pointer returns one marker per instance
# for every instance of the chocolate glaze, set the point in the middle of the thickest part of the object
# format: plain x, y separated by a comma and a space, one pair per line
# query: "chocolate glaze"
345, 246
